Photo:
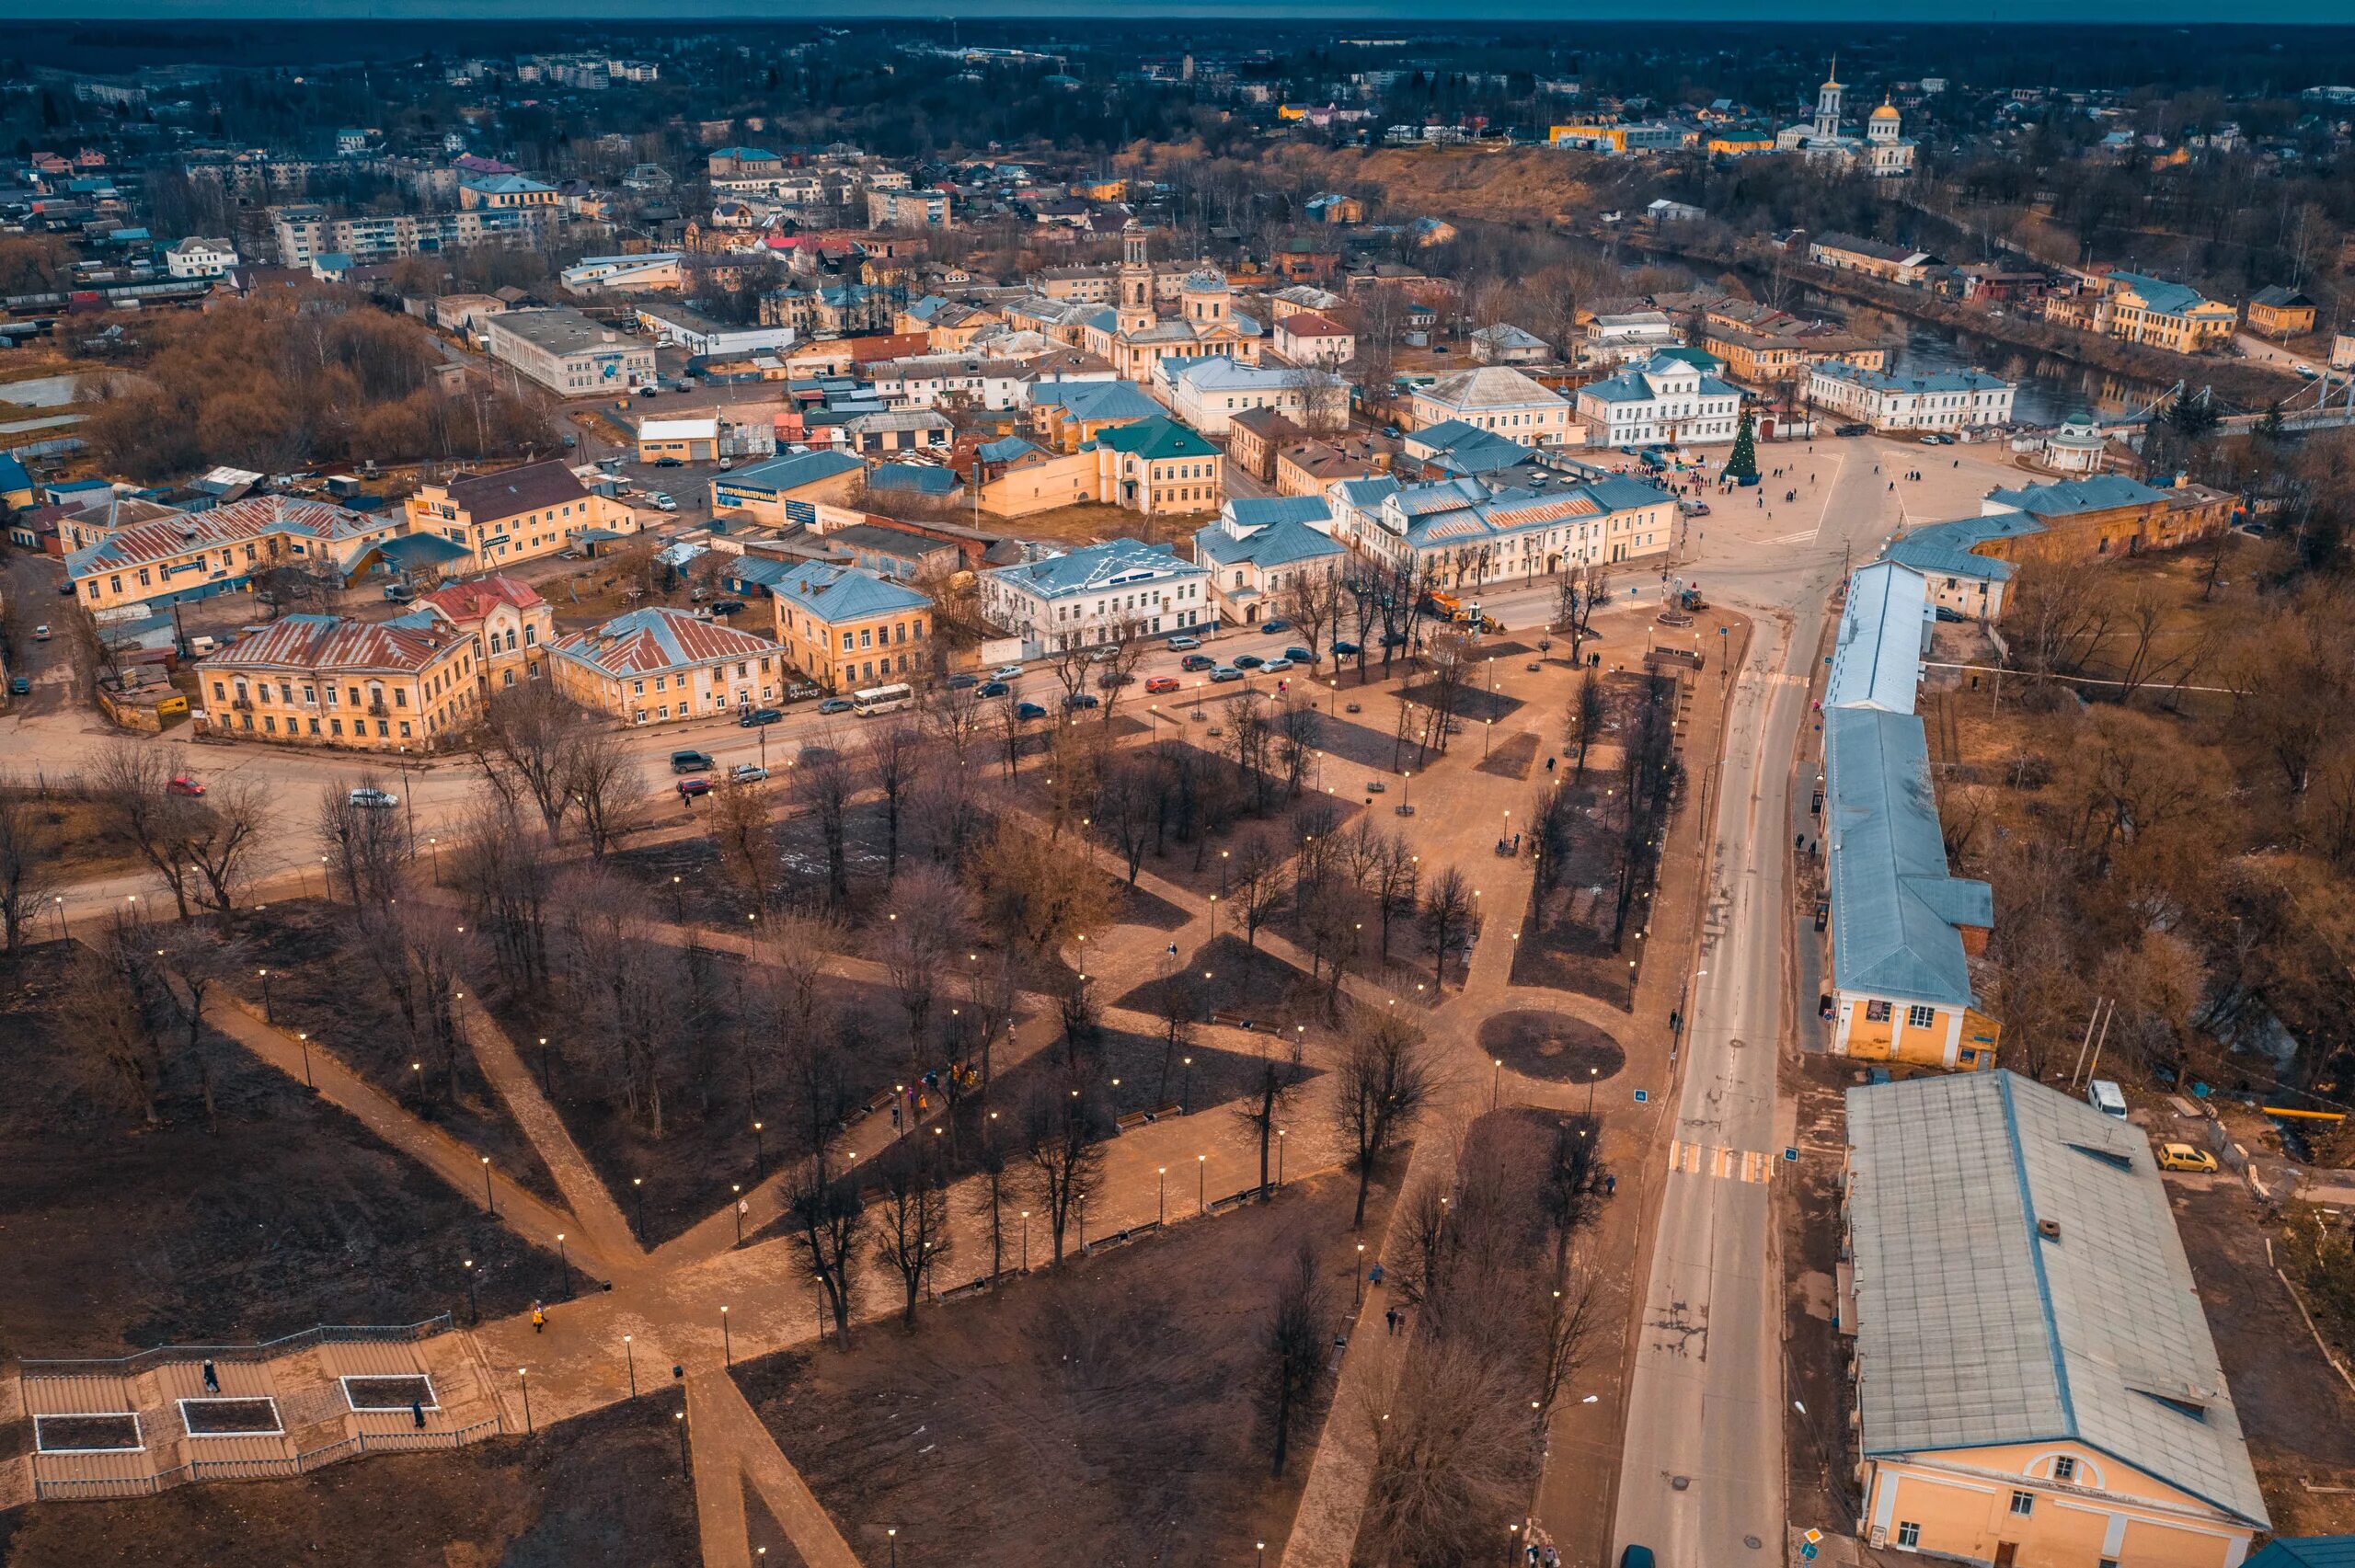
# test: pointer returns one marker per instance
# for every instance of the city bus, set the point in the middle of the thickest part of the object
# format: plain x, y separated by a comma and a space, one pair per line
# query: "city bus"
889, 699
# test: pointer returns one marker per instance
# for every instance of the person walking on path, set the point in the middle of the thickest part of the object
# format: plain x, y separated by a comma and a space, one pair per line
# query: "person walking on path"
212, 1377
417, 1414
539, 1317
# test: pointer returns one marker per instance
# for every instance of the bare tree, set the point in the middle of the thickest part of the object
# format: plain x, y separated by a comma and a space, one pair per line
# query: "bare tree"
1384, 1079
830, 1219
1311, 600
504, 867
1583, 725
823, 786
114, 1014
525, 740
220, 843
1037, 900
1065, 1162
604, 784
893, 753
912, 1220
365, 849
189, 962
1293, 1350
135, 782
925, 925
28, 867
1256, 885
742, 830
1277, 1073
1446, 918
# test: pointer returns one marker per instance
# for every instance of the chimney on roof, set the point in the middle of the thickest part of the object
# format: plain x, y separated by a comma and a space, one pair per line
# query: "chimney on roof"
2049, 1228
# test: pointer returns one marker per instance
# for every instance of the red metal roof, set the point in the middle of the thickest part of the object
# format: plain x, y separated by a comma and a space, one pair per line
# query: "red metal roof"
331, 644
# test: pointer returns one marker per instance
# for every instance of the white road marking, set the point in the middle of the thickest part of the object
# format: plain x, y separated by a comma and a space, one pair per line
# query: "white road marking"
1724, 1164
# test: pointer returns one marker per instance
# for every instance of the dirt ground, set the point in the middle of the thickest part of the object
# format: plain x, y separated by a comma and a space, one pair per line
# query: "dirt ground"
605, 1488
1092, 522
81, 843
1104, 1415
1807, 1213
320, 983
287, 1214
2296, 1411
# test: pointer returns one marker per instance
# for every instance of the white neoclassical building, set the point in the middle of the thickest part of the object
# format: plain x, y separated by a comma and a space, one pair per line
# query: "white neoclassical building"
1664, 400
1934, 400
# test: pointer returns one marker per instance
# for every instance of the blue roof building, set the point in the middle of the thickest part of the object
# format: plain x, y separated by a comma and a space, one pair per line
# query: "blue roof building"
1101, 594
1260, 546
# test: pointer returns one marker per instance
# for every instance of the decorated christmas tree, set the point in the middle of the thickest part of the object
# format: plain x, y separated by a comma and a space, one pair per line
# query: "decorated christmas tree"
1742, 466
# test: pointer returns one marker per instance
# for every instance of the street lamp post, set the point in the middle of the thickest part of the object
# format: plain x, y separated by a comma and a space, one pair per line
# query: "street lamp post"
1361, 1274
1280, 1134
679, 1420
736, 1190
893, 1533
564, 1262
547, 1087
57, 904
474, 1312
630, 1358
1186, 1093
1591, 1074
1496, 1083
1203, 1181
726, 1340
524, 1381
489, 1203
760, 1155
267, 1017
638, 1188
1026, 1240
1161, 1205
302, 1038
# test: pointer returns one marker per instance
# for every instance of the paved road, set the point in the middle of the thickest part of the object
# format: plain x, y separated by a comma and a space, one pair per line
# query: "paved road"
1701, 1478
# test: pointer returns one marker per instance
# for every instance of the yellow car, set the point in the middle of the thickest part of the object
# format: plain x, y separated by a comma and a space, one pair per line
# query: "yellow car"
2184, 1156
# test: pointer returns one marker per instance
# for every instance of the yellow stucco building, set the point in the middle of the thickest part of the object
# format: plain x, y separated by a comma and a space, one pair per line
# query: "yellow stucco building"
404, 685
2035, 1383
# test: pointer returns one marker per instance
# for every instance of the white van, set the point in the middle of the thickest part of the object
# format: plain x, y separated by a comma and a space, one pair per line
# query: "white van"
2102, 1095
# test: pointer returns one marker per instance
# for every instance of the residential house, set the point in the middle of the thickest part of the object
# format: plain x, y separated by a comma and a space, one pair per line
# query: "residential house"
672, 324
515, 514
907, 210
2273, 312
2035, 1379
1252, 438
17, 487
1100, 594
1932, 400
1548, 516
1311, 466
1959, 574
199, 258
1310, 337
892, 431
1208, 393
1665, 400
2141, 309
1901, 264
512, 626
661, 665
1763, 347
1903, 928
132, 555
1630, 336
1067, 415
1258, 548
790, 489
408, 684
1505, 344
846, 628
507, 192
1494, 397
2342, 350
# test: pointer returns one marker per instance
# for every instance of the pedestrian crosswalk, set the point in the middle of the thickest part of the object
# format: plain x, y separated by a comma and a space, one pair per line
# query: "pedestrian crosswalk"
1726, 1165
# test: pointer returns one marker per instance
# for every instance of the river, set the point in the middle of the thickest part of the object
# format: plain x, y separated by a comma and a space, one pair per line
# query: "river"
2051, 388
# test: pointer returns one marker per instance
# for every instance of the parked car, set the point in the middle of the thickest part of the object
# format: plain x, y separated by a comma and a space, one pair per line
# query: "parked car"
1026, 712
690, 788
646, 391
993, 688
1075, 700
183, 784
1160, 683
2184, 1157
1104, 655
662, 502
1345, 650
1184, 643
18, 686
1852, 430
1276, 666
1693, 509
668, 463
747, 773
1112, 678
1277, 625
1300, 656
835, 705
690, 761
1248, 661
963, 682
752, 718
66, 589
40, 633
729, 607
1007, 672
398, 593
1196, 661
374, 799
1226, 672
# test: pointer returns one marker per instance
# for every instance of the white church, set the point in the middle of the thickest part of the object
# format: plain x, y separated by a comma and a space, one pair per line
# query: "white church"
1882, 153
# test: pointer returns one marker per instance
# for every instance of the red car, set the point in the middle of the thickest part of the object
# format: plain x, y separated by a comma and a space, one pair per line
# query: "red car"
183, 784
690, 788
1162, 683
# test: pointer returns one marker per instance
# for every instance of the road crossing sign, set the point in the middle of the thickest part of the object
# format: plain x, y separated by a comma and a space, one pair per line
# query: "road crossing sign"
1791, 1152
1642, 1095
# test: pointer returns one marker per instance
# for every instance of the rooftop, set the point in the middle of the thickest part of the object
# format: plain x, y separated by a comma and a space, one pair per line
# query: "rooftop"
510, 492
1097, 566
1491, 387
1977, 1326
649, 642
560, 329
2066, 497
833, 592
782, 475
1160, 437
163, 535
332, 643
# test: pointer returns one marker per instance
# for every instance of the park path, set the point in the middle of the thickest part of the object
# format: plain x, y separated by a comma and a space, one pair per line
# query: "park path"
532, 1218
600, 1230
733, 1450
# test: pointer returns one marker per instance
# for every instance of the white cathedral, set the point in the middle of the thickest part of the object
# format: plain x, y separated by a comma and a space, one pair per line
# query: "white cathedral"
1881, 153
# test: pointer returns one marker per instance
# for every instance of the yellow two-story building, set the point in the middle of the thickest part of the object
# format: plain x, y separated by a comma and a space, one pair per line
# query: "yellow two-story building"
515, 514
403, 685
846, 628
2035, 1383
512, 626
661, 665
168, 558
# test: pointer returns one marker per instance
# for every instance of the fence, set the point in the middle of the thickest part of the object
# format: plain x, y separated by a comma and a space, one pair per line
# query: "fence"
137, 1482
323, 1334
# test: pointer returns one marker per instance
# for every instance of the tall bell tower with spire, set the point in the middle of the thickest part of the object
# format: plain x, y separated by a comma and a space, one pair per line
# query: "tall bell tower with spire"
1827, 105
1135, 309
